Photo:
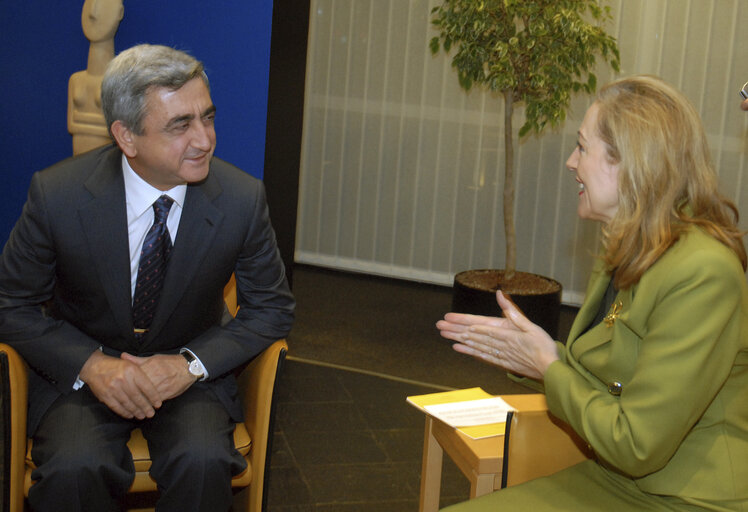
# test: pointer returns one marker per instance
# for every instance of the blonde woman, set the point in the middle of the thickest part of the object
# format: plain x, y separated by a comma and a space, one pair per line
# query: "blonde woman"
654, 375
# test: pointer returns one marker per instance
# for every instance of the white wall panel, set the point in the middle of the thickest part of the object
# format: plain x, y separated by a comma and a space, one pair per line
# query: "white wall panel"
402, 171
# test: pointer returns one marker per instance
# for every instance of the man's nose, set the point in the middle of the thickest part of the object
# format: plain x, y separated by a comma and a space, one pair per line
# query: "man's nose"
201, 137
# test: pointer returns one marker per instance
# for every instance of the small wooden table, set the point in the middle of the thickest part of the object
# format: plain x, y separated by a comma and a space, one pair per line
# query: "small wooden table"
480, 460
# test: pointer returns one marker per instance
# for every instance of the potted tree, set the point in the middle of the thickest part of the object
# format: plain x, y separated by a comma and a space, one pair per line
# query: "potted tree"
536, 53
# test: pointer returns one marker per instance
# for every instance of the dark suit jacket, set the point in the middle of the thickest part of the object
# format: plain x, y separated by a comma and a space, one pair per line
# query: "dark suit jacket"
65, 277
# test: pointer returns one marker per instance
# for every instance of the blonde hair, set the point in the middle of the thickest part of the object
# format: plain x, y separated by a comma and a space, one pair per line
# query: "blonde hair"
666, 178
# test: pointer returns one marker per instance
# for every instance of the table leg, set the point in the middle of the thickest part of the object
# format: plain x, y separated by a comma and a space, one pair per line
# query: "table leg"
431, 470
481, 484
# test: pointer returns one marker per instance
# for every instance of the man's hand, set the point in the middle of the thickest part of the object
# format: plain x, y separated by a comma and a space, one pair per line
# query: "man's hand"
169, 373
121, 385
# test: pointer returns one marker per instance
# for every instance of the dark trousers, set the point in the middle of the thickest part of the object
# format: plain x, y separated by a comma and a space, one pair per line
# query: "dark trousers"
83, 464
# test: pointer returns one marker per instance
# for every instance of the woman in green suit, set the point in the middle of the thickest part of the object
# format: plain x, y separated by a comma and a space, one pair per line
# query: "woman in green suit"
654, 375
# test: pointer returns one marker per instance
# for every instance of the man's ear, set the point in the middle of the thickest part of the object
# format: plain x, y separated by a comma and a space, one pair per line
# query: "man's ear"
125, 139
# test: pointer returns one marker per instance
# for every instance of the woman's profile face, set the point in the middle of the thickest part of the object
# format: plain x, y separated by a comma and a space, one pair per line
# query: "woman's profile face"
597, 177
100, 19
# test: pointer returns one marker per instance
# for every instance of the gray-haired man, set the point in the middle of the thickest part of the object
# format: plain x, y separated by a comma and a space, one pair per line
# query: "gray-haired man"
69, 276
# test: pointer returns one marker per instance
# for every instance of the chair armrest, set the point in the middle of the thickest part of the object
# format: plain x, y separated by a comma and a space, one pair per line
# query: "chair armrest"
257, 384
15, 402
536, 443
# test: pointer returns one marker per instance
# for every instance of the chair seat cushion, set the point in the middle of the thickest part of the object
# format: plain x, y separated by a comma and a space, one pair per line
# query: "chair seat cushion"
142, 459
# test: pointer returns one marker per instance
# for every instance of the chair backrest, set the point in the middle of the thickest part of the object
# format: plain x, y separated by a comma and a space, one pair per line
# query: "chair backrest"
537, 444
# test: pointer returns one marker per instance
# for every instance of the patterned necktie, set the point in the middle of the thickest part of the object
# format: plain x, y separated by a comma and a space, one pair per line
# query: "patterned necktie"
152, 267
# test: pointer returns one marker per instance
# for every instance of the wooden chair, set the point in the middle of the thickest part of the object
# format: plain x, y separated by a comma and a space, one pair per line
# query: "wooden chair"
538, 444
252, 438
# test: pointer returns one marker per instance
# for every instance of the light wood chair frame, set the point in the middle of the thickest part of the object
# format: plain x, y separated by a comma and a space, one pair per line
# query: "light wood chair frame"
537, 444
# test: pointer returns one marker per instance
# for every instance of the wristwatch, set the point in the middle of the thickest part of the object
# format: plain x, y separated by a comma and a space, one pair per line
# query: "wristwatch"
194, 366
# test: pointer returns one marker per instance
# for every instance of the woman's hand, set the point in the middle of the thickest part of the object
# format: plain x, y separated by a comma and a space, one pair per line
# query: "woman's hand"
512, 342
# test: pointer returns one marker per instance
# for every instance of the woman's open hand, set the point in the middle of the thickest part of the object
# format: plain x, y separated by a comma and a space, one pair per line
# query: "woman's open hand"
512, 342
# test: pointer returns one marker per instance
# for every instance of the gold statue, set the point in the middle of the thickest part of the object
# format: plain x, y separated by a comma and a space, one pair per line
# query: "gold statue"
100, 20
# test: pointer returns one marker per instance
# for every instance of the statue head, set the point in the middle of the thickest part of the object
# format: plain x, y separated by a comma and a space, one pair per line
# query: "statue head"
100, 19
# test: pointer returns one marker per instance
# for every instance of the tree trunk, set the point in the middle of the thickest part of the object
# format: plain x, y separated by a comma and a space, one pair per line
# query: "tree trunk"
510, 236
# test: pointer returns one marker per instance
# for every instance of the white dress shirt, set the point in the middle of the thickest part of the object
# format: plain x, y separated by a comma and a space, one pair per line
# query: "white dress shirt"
139, 197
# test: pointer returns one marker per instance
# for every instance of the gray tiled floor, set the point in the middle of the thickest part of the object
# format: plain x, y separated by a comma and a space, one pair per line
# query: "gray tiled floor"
356, 447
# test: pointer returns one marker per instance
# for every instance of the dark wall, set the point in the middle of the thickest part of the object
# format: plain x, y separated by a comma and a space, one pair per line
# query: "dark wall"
285, 115
42, 44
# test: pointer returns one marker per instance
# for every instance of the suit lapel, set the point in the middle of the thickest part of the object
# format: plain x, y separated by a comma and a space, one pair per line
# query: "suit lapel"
104, 222
599, 282
197, 230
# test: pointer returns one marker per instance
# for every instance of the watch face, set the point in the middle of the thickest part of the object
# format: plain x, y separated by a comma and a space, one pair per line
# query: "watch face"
195, 369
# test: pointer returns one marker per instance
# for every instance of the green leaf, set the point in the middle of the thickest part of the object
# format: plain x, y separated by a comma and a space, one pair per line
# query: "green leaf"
434, 45
592, 81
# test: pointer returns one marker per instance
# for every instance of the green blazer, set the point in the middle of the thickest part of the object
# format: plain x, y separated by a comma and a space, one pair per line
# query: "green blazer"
660, 389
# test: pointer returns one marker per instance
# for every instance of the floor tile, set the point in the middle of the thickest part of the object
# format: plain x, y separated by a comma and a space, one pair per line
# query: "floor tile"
379, 506
281, 455
401, 444
343, 483
287, 487
335, 447
317, 386
317, 416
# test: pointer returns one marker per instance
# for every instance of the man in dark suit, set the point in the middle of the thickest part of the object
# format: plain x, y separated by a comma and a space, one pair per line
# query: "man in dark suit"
72, 268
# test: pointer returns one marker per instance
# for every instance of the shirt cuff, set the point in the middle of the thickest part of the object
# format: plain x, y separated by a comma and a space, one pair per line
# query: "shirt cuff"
197, 359
78, 382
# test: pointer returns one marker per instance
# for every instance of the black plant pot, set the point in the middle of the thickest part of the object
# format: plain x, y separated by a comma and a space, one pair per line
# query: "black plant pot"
474, 292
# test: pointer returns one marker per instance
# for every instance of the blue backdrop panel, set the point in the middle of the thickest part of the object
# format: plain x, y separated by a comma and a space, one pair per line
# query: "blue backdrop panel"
42, 44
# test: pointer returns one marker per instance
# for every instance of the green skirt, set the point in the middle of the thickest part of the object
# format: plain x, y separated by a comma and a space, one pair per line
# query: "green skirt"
586, 486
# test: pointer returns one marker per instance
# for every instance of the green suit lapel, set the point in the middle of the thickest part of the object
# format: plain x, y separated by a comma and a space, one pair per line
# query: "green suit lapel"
599, 281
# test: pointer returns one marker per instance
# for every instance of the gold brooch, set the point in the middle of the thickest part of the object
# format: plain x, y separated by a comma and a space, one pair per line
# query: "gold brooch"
615, 310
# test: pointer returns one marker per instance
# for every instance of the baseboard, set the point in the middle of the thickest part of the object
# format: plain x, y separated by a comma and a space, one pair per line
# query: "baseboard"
568, 297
